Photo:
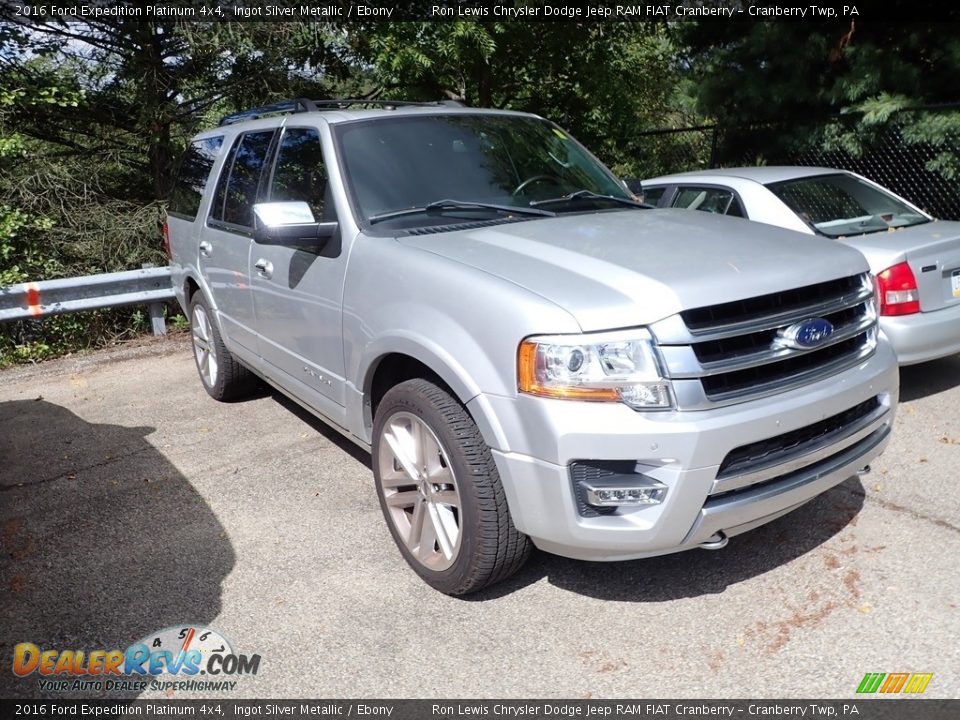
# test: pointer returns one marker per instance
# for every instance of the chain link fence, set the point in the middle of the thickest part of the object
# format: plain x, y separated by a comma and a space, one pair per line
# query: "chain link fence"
668, 151
915, 153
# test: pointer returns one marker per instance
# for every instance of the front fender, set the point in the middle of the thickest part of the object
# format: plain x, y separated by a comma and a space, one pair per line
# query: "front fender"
445, 365
463, 324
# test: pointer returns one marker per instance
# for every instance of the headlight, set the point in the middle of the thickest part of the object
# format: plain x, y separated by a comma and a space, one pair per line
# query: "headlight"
614, 367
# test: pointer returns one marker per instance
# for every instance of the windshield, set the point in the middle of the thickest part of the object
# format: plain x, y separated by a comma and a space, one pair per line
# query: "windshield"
840, 205
406, 163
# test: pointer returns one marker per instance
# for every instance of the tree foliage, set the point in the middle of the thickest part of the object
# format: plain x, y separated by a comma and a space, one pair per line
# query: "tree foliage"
808, 73
601, 81
93, 118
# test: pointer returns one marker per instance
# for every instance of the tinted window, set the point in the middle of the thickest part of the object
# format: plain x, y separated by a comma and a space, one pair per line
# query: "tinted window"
408, 162
712, 200
735, 209
300, 173
651, 196
192, 178
844, 205
238, 192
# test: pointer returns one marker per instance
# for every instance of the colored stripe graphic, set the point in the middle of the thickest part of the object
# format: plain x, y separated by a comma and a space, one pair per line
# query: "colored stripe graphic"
894, 682
870, 682
918, 682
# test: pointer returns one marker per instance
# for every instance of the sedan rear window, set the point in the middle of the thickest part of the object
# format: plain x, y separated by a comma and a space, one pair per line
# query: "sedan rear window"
840, 205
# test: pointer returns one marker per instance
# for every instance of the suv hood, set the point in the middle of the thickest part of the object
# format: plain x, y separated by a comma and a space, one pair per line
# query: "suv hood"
625, 268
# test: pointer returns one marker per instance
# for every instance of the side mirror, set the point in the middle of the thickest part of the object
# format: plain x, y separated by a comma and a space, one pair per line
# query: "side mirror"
290, 224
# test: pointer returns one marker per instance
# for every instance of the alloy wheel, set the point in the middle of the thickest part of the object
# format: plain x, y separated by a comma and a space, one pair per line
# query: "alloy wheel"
420, 490
204, 347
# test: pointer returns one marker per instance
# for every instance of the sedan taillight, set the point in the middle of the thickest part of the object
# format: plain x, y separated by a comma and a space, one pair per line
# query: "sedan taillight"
898, 291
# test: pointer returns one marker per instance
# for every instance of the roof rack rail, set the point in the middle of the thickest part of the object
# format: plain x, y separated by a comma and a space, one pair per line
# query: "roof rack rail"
297, 105
388, 104
300, 105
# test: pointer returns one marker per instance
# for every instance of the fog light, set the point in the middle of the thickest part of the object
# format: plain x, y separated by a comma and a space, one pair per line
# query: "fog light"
650, 492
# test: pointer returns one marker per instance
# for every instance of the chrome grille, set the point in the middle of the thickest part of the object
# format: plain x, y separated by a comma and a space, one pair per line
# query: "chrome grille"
732, 352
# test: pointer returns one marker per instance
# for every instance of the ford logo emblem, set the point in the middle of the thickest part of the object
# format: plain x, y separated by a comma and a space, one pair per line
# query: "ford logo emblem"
806, 334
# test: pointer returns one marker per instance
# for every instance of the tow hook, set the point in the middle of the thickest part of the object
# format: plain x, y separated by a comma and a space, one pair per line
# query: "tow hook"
715, 542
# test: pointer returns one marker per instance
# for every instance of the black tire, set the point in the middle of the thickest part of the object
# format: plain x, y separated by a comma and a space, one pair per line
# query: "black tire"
231, 380
490, 548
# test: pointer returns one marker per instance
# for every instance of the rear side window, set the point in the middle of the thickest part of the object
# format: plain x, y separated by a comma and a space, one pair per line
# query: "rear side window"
712, 200
240, 179
651, 196
192, 178
300, 173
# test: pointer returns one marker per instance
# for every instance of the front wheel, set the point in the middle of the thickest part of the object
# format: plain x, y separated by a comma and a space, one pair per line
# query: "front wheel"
440, 491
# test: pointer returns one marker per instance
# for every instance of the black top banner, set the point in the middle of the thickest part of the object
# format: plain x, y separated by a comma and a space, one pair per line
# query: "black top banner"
487, 11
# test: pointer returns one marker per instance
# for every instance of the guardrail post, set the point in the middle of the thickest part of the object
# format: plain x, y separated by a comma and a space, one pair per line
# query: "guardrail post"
157, 322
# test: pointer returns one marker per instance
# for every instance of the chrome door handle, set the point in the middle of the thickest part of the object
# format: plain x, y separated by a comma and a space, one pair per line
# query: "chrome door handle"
264, 268
205, 248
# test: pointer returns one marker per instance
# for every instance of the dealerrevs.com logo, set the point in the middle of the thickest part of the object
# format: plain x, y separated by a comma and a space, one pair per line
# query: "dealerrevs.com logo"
181, 652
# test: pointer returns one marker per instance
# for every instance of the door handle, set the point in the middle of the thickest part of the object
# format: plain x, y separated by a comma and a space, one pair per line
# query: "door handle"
205, 248
264, 268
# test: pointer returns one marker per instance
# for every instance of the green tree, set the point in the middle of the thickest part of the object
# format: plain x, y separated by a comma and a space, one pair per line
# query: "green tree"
93, 118
806, 73
21, 250
604, 82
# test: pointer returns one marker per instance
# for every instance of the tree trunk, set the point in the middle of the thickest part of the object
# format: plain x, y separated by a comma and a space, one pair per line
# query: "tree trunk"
157, 110
485, 85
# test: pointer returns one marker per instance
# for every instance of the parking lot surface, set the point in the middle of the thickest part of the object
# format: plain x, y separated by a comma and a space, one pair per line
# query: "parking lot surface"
131, 502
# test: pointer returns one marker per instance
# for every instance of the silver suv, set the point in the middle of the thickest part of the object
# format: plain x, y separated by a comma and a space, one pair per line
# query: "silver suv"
532, 357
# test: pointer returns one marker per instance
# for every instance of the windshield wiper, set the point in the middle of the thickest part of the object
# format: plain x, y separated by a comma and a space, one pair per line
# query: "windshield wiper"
589, 195
443, 205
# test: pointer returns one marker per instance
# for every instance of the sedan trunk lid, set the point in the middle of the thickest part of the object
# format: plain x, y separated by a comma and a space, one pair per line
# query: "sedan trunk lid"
932, 250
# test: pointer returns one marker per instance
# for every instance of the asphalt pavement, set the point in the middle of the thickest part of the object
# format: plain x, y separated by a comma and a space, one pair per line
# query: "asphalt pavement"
131, 502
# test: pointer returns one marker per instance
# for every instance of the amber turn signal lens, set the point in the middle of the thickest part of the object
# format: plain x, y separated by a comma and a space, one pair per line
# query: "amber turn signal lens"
528, 382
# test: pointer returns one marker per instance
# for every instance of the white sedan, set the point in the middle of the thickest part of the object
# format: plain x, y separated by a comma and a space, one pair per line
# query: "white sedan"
915, 258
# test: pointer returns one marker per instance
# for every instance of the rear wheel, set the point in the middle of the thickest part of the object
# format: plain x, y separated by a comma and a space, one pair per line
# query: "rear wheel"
440, 491
223, 377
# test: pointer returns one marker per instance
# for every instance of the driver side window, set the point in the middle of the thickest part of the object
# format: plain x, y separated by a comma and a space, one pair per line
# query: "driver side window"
301, 174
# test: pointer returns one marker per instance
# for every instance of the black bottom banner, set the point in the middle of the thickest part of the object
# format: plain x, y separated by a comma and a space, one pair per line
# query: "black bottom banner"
867, 709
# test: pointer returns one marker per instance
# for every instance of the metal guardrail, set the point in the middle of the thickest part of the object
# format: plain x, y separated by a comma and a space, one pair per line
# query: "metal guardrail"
149, 286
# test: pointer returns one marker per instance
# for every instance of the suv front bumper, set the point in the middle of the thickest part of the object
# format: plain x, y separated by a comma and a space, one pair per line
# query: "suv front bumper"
684, 451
